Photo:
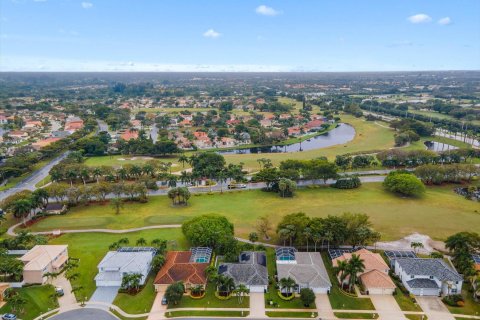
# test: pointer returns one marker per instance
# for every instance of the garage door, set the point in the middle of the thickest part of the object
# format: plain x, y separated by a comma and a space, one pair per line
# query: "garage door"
425, 292
260, 289
320, 290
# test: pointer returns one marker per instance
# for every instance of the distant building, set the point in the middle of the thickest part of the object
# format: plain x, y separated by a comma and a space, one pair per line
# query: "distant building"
43, 143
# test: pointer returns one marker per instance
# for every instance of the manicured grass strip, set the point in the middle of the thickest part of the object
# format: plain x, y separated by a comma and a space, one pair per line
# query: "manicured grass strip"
343, 315
139, 303
210, 301
38, 300
287, 314
416, 317
118, 315
198, 313
338, 300
405, 302
90, 248
440, 212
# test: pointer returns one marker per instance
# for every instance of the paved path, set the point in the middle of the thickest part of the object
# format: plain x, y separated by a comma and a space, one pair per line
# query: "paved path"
104, 294
85, 313
323, 306
158, 310
257, 305
387, 307
68, 298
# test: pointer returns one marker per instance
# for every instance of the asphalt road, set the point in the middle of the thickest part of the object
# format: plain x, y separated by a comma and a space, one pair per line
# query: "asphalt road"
85, 313
30, 182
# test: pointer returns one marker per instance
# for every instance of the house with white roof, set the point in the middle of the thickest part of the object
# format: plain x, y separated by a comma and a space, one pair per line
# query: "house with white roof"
127, 260
428, 277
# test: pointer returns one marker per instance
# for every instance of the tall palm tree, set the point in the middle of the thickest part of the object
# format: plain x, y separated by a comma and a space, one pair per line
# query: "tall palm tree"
287, 283
340, 270
354, 267
97, 172
183, 159
21, 208
240, 291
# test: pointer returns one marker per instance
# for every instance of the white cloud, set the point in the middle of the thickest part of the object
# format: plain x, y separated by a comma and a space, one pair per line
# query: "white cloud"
445, 21
210, 33
419, 18
266, 11
87, 5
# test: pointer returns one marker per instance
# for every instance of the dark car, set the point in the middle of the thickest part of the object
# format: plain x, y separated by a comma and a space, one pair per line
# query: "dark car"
164, 301
9, 316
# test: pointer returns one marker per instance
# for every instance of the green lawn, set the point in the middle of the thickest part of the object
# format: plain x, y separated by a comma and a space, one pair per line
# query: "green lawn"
210, 301
199, 313
471, 306
38, 299
90, 248
338, 300
439, 213
139, 303
343, 315
405, 302
119, 160
287, 314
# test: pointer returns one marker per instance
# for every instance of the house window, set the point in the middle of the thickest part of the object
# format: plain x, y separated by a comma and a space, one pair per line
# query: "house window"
431, 277
454, 291
456, 282
412, 277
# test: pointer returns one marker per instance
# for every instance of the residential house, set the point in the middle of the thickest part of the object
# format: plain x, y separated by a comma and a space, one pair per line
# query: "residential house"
129, 135
43, 143
314, 125
73, 124
251, 271
186, 266
3, 288
43, 259
18, 134
55, 208
375, 276
3, 119
126, 260
428, 277
305, 268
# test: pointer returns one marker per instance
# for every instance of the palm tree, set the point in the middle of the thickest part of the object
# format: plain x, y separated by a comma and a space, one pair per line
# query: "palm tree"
288, 284
197, 290
141, 242
21, 208
183, 159
307, 234
225, 284
97, 172
354, 267
340, 270
240, 292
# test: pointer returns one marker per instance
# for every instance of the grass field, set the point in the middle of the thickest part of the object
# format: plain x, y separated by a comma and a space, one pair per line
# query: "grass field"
288, 314
38, 300
471, 307
438, 115
139, 303
199, 313
343, 315
439, 213
119, 160
405, 302
91, 247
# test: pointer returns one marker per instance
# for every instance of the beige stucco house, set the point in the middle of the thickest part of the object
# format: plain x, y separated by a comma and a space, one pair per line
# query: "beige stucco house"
43, 259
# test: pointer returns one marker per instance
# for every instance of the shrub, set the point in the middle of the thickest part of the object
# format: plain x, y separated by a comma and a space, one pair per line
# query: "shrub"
348, 183
404, 183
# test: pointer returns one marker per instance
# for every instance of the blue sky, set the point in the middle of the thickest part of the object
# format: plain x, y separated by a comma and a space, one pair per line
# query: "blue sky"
241, 35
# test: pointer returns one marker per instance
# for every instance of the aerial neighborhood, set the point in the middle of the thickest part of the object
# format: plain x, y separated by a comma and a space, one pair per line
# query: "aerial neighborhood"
164, 196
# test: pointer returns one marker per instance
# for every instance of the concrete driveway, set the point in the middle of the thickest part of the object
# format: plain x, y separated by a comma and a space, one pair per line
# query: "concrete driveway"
257, 305
387, 307
324, 308
158, 310
68, 298
104, 294
434, 308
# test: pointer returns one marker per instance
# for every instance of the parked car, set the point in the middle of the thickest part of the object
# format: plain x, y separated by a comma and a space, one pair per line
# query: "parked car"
59, 291
237, 186
9, 316
164, 301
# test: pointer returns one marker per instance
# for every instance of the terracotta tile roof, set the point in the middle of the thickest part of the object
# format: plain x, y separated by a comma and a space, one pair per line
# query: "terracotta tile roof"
377, 279
179, 268
370, 260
